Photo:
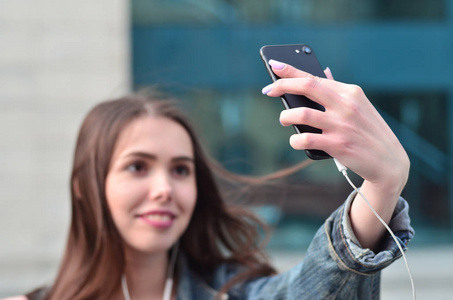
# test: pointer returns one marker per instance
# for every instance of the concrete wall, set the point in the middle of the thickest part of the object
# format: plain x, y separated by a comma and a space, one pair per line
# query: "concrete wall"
57, 59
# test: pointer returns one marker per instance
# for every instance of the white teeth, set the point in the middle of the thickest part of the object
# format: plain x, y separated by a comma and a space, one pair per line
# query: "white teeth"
159, 218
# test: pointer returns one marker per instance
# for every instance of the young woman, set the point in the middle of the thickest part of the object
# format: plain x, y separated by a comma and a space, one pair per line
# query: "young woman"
147, 210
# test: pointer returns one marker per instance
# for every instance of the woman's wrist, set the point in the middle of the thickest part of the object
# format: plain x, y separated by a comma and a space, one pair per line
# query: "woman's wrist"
393, 178
383, 196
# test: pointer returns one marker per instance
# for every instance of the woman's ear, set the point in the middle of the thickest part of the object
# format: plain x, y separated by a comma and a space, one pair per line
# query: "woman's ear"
76, 189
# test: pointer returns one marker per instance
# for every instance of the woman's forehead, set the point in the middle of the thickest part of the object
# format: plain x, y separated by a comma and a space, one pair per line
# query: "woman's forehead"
155, 134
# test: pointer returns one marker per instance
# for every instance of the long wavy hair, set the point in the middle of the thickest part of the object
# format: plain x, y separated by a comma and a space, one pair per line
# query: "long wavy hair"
219, 231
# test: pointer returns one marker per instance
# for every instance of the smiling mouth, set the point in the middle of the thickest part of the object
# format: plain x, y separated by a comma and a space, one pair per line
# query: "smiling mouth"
158, 220
158, 217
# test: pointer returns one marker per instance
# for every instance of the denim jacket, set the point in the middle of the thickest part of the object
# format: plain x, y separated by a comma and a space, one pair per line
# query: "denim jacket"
335, 266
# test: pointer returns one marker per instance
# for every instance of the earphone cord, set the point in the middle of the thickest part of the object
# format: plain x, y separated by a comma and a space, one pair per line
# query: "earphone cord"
343, 169
168, 283
171, 268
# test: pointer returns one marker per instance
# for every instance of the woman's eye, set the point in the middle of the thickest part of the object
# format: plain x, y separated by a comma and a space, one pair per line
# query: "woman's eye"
137, 167
181, 170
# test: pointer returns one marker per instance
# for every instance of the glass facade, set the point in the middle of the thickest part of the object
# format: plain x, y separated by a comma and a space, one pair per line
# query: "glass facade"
206, 53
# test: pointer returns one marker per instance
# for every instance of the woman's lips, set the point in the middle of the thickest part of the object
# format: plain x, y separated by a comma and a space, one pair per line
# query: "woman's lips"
158, 219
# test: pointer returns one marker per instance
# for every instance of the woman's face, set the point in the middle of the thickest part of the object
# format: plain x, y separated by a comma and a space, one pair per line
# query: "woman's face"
151, 185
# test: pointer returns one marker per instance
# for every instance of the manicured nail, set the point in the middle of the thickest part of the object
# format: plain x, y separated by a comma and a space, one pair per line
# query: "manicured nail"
328, 73
276, 64
267, 89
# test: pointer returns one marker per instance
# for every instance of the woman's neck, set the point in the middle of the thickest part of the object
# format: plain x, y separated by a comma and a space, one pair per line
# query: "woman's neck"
146, 275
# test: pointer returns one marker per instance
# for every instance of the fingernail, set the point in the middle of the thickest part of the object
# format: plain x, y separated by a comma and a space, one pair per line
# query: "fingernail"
267, 89
276, 64
328, 73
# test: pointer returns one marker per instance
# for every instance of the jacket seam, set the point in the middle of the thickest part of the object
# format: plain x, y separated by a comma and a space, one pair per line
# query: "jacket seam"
337, 257
341, 286
343, 239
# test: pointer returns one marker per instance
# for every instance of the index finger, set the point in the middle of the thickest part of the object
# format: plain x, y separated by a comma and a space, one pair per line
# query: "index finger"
315, 88
284, 70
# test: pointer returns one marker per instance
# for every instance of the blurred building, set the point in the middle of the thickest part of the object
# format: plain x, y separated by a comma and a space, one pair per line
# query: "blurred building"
58, 58
397, 51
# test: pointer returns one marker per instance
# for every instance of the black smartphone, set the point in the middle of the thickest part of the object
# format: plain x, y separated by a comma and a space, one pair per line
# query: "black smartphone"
303, 58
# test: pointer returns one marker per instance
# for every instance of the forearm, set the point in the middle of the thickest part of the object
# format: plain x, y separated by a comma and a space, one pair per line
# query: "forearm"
383, 198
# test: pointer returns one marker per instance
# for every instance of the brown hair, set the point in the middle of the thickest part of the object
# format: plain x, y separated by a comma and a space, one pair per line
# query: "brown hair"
219, 232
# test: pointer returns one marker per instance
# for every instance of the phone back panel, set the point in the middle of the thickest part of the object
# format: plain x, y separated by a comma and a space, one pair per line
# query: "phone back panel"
296, 56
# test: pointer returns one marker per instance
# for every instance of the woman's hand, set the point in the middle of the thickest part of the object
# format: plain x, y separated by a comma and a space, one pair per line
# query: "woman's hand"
354, 133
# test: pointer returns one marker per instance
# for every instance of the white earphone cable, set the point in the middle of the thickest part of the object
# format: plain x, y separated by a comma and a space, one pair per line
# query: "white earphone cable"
171, 268
343, 170
168, 283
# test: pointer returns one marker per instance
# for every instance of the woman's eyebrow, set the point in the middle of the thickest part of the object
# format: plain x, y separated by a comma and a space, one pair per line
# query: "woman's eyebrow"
151, 156
141, 154
184, 158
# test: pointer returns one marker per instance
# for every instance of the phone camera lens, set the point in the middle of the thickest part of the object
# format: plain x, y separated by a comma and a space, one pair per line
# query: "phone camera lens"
306, 49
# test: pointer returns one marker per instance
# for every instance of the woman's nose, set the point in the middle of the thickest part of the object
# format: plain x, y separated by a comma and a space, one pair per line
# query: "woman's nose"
160, 187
